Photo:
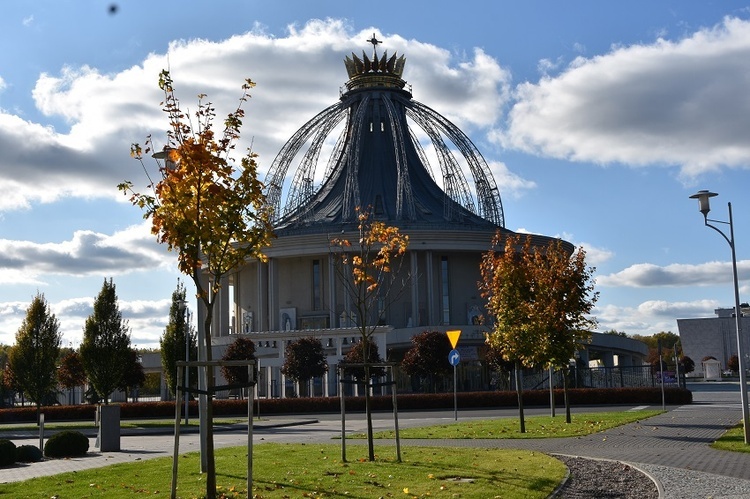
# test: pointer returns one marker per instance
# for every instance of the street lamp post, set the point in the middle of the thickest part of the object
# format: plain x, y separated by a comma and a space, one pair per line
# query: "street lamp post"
186, 329
704, 207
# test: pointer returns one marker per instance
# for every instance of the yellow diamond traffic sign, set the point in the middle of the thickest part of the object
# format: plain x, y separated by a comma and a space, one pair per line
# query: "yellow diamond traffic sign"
453, 336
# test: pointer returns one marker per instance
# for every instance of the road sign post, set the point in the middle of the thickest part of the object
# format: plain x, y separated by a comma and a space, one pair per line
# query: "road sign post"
454, 358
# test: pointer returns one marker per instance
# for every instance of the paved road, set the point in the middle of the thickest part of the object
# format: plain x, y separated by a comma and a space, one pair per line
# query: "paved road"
677, 440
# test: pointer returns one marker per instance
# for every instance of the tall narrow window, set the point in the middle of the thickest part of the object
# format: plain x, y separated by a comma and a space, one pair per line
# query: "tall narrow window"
445, 290
317, 291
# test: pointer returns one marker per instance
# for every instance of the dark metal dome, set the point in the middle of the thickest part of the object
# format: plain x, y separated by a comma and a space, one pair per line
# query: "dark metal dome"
378, 162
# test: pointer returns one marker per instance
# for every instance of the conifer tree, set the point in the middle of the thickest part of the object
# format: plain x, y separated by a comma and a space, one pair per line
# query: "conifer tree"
33, 359
105, 350
172, 342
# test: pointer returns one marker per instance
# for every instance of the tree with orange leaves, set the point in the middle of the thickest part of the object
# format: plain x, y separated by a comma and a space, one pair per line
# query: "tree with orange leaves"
369, 271
206, 208
539, 298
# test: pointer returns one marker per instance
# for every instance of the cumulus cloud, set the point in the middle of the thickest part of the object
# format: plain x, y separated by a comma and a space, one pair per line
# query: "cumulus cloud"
651, 317
682, 102
97, 116
87, 253
644, 275
146, 320
649, 275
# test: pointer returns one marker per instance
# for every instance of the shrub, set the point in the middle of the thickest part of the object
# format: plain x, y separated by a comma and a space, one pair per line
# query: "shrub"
67, 443
28, 454
7, 452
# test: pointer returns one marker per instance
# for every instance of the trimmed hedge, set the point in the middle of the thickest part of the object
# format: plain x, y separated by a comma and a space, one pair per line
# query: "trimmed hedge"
416, 401
28, 454
67, 443
7, 452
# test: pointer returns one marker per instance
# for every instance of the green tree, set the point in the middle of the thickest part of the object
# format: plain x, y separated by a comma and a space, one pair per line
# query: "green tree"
177, 334
105, 350
539, 298
304, 359
501, 368
369, 270
428, 357
134, 376
213, 213
33, 358
614, 332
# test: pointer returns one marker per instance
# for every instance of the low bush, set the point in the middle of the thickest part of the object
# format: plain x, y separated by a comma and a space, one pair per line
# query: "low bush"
7, 452
67, 443
28, 454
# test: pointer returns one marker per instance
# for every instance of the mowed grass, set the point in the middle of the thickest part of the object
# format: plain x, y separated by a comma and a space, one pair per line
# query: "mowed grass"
316, 471
536, 426
733, 440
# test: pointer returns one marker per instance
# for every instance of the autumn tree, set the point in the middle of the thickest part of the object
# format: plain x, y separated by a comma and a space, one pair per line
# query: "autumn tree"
105, 350
368, 270
687, 365
733, 364
363, 352
240, 349
33, 358
7, 386
428, 357
210, 211
304, 359
71, 373
539, 298
179, 336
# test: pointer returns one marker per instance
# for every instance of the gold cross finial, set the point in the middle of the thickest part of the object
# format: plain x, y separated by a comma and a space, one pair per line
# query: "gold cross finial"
375, 43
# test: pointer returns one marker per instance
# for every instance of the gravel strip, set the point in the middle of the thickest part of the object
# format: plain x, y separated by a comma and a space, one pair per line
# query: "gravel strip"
598, 478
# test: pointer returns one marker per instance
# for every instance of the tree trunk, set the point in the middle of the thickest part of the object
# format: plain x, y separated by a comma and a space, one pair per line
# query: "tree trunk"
368, 412
519, 391
565, 396
210, 462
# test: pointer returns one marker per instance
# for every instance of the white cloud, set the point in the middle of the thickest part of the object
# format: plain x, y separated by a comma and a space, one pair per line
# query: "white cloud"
298, 75
681, 102
87, 253
651, 317
649, 275
145, 319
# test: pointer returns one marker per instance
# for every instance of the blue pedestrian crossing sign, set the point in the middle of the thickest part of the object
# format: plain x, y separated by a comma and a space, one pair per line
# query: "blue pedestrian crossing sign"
454, 357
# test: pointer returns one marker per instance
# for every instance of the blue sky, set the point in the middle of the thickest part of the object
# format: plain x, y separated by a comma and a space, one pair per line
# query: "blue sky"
598, 119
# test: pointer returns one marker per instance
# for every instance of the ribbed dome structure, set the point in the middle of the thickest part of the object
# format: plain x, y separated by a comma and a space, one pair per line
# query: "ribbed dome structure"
377, 162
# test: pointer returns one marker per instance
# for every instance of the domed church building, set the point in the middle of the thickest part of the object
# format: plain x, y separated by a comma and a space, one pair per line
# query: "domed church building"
369, 150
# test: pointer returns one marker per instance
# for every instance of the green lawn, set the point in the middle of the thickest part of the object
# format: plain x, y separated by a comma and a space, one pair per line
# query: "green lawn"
299, 470
536, 426
733, 440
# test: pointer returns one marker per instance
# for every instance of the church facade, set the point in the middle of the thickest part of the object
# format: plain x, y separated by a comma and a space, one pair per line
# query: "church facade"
376, 149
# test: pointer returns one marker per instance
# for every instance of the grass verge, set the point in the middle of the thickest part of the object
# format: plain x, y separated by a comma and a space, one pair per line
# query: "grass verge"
733, 440
536, 426
312, 470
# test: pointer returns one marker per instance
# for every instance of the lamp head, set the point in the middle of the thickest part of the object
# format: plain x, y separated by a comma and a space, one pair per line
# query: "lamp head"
703, 196
164, 154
